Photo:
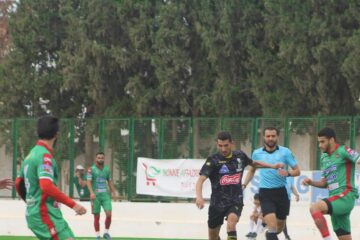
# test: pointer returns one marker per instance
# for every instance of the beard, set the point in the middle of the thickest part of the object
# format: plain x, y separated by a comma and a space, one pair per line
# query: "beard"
270, 144
100, 163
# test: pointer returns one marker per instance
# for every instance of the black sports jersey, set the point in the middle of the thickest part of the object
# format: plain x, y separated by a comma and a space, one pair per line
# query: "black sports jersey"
225, 176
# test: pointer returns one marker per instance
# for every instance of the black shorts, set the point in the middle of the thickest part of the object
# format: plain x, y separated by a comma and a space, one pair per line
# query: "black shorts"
274, 200
216, 215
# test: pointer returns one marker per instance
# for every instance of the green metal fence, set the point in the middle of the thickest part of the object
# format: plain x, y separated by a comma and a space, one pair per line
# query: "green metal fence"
125, 139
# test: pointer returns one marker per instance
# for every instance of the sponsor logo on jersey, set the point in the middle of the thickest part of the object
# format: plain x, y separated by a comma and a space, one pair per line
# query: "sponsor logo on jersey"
230, 179
47, 160
353, 154
333, 186
239, 165
224, 169
330, 169
47, 169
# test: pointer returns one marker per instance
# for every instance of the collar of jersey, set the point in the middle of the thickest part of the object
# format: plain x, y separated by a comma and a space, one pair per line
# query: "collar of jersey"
336, 147
229, 156
41, 143
264, 149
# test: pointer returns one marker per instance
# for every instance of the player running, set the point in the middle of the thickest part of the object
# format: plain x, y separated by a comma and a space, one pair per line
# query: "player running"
275, 204
98, 178
225, 169
37, 185
338, 173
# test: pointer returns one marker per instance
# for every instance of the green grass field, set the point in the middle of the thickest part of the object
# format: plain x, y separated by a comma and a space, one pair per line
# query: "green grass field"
87, 238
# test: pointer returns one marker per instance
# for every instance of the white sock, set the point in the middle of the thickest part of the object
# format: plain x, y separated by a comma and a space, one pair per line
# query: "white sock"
106, 231
259, 225
252, 226
97, 234
328, 238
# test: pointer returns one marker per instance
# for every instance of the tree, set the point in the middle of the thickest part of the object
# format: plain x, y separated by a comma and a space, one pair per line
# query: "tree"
32, 81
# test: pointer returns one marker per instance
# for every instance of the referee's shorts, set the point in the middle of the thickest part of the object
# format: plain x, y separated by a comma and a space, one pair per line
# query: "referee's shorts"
274, 200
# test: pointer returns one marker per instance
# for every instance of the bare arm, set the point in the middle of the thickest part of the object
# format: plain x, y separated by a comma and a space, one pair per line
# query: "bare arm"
112, 188
92, 194
250, 174
82, 182
295, 192
320, 184
6, 183
198, 188
295, 171
261, 164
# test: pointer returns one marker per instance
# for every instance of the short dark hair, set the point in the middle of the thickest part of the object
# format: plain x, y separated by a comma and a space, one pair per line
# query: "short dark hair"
327, 132
256, 196
224, 135
271, 129
47, 127
100, 153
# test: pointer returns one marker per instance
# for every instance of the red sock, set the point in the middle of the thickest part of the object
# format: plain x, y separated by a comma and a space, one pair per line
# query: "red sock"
321, 223
97, 222
107, 222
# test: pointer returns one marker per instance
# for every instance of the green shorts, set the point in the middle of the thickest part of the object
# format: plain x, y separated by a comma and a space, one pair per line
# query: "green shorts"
61, 230
340, 208
103, 200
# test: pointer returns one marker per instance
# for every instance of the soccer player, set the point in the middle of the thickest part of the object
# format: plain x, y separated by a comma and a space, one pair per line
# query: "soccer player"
98, 178
6, 183
274, 199
225, 169
80, 181
290, 188
338, 173
37, 185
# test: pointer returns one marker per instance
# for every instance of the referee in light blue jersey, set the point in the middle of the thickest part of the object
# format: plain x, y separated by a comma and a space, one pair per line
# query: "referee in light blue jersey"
274, 199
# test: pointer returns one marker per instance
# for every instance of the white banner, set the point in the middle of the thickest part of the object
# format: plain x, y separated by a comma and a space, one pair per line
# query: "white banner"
177, 178
169, 177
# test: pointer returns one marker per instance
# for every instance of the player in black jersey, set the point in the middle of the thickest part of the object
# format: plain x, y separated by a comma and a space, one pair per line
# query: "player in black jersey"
225, 170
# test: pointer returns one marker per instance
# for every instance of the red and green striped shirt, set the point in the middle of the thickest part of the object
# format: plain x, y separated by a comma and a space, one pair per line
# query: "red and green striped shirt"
338, 168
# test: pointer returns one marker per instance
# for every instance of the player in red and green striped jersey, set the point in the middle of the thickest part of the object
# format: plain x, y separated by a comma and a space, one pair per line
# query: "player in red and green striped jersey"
338, 176
37, 185
98, 180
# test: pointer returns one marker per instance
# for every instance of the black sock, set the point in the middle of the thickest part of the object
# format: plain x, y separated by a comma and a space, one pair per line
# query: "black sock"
271, 236
231, 235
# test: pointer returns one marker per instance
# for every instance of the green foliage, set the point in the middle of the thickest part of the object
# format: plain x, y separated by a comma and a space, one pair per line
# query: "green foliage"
182, 58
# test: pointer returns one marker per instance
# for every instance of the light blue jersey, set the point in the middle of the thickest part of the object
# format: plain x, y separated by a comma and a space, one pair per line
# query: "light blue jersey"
270, 178
289, 184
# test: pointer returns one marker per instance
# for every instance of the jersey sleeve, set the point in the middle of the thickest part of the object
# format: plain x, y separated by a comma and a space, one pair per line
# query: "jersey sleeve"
20, 173
290, 159
255, 155
322, 166
246, 159
20, 183
45, 168
351, 154
208, 167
